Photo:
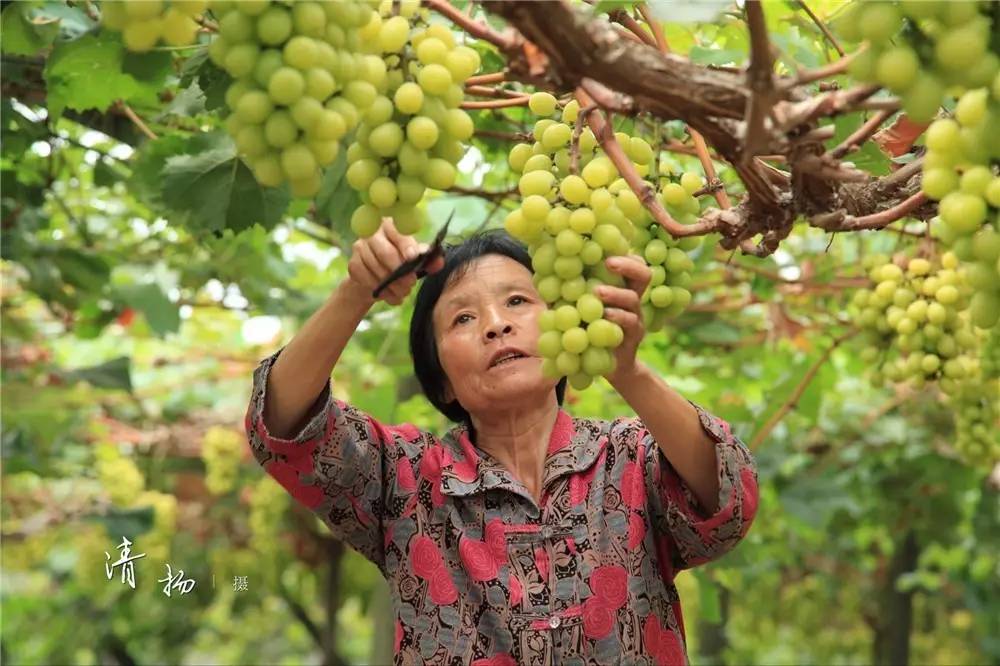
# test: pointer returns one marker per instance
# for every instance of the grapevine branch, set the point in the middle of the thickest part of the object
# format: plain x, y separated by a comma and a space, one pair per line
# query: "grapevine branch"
760, 80
497, 103
740, 114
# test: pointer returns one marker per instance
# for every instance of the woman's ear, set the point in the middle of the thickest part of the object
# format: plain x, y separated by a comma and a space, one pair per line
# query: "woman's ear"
447, 393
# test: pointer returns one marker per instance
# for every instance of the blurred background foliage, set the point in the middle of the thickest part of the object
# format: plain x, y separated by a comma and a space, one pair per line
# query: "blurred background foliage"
130, 332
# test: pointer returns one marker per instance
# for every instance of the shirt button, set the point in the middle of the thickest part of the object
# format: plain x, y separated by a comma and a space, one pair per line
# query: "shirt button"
547, 532
554, 622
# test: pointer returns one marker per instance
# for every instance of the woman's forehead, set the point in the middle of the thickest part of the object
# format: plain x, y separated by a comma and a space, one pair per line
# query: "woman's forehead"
486, 275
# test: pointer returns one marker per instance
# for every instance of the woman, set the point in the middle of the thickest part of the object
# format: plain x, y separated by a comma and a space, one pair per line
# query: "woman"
524, 535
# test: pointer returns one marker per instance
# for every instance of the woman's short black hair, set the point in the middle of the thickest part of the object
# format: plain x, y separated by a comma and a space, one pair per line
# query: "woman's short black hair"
423, 347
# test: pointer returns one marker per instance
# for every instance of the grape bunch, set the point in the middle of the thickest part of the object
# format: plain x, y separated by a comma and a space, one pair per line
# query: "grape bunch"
220, 451
574, 219
145, 24
958, 172
301, 82
268, 503
916, 327
977, 420
119, 476
411, 134
156, 542
920, 50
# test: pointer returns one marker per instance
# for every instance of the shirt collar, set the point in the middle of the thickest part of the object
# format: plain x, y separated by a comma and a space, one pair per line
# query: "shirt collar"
574, 445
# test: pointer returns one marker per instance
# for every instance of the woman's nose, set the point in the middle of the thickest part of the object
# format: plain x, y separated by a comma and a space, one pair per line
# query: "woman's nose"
498, 327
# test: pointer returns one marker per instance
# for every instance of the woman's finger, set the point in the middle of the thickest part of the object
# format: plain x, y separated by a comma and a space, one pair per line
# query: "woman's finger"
359, 270
633, 268
629, 321
407, 246
619, 297
388, 255
372, 263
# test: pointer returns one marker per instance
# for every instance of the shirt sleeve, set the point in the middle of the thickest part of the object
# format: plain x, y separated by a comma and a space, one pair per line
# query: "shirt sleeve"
697, 536
341, 465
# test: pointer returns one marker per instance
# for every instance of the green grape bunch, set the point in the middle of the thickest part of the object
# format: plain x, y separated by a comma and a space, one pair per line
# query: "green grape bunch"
221, 449
916, 322
920, 49
412, 132
145, 24
302, 77
572, 220
960, 171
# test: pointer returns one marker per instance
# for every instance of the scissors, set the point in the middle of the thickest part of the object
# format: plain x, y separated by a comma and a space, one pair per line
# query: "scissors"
420, 262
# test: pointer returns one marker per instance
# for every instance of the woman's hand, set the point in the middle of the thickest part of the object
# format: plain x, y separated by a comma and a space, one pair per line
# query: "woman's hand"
375, 257
622, 306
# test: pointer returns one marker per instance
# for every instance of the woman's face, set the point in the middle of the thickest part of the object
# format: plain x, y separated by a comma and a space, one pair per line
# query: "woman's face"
493, 305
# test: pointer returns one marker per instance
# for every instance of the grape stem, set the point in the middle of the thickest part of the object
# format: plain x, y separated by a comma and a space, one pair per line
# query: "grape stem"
859, 135
887, 216
826, 71
606, 137
487, 91
136, 120
496, 103
622, 17
700, 146
654, 25
473, 27
574, 147
822, 26
492, 195
479, 79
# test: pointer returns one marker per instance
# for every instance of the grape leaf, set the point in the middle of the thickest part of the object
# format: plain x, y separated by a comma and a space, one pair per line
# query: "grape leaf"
160, 312
86, 73
213, 190
113, 374
23, 35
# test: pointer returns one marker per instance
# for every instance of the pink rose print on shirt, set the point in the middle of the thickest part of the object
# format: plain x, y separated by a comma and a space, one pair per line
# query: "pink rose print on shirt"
663, 644
429, 564
398, 638
636, 530
610, 587
404, 475
478, 559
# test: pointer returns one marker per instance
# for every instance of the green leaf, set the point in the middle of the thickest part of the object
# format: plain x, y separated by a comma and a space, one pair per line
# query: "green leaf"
214, 190
337, 200
114, 374
128, 523
22, 33
161, 313
86, 73
88, 272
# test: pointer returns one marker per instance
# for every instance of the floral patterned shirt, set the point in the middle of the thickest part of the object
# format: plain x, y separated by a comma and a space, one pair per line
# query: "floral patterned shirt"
479, 572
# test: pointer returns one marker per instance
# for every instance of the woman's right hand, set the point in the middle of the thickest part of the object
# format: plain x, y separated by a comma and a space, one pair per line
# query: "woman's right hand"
375, 257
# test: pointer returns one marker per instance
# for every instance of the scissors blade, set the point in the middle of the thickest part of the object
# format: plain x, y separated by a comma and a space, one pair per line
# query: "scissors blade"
419, 263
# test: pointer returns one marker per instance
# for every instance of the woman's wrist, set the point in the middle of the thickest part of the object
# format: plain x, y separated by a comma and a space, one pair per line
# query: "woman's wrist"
355, 297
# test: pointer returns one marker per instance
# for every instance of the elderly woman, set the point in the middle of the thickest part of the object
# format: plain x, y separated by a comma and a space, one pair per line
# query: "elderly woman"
523, 535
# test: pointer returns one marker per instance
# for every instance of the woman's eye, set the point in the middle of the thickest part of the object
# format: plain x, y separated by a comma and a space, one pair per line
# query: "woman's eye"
460, 318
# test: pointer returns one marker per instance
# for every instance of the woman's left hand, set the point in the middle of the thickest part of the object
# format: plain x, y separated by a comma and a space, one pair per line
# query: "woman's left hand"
622, 306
